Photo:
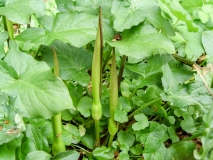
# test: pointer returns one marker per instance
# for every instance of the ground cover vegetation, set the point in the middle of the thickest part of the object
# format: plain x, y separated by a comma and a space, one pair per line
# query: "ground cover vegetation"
106, 79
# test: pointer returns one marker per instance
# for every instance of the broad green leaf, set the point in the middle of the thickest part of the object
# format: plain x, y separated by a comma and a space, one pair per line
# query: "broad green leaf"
11, 123
171, 119
36, 138
174, 152
207, 40
123, 155
125, 138
191, 5
131, 13
3, 37
73, 62
172, 135
137, 43
193, 49
136, 149
88, 140
90, 6
150, 71
38, 155
20, 10
103, 153
120, 115
76, 92
36, 91
8, 150
180, 13
121, 110
169, 82
73, 130
154, 130
142, 122
188, 123
80, 30
84, 106
154, 149
71, 154
191, 94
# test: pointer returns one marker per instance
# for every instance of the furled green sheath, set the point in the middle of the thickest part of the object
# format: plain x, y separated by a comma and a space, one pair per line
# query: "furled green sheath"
112, 127
58, 144
96, 80
121, 70
10, 28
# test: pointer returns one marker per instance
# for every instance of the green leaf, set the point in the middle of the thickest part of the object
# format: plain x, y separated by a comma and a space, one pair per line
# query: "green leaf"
3, 37
154, 149
20, 10
174, 151
125, 138
67, 155
142, 122
36, 138
136, 149
80, 31
137, 43
123, 155
207, 40
131, 13
180, 13
193, 48
168, 80
120, 115
88, 140
172, 135
73, 130
191, 5
150, 71
73, 62
103, 153
38, 155
188, 123
84, 106
8, 150
191, 94
11, 123
154, 130
36, 91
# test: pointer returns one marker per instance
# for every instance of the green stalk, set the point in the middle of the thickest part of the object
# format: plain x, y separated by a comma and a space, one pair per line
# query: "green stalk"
113, 126
143, 106
58, 144
10, 28
121, 70
96, 80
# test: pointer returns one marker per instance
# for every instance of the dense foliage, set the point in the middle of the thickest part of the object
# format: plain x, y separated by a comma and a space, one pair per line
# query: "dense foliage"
130, 79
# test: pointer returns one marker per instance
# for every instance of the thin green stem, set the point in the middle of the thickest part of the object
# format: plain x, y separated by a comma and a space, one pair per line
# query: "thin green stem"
181, 59
121, 70
97, 133
143, 106
106, 60
110, 140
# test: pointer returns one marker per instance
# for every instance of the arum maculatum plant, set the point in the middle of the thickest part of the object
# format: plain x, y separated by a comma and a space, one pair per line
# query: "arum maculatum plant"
58, 144
113, 126
96, 80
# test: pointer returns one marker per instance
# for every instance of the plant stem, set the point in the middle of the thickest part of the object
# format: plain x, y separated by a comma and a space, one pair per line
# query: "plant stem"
113, 126
192, 137
106, 60
121, 70
143, 106
181, 59
58, 144
96, 79
97, 133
